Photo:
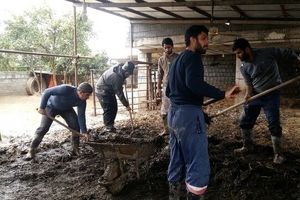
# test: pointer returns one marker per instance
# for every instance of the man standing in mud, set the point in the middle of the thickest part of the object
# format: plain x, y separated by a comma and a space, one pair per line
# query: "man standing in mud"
260, 71
60, 100
163, 69
109, 85
189, 160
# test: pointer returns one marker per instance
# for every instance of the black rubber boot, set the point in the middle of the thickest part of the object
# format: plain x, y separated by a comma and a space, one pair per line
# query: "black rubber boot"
174, 191
31, 154
278, 157
110, 128
75, 145
37, 139
247, 142
165, 124
191, 196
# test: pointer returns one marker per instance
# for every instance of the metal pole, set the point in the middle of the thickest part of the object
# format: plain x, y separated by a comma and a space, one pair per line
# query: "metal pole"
131, 58
75, 47
41, 81
42, 54
93, 85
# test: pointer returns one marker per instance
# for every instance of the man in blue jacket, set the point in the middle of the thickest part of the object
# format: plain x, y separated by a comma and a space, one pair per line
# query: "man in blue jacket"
108, 86
260, 71
186, 89
60, 100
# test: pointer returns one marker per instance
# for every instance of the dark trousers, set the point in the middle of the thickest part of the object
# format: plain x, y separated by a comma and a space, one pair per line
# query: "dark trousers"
109, 105
270, 104
69, 116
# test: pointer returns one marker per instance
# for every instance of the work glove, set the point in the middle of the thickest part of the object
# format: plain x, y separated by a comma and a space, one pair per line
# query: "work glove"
128, 108
86, 136
207, 118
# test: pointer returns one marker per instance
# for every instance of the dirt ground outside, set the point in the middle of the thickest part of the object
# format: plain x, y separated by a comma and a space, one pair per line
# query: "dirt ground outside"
56, 174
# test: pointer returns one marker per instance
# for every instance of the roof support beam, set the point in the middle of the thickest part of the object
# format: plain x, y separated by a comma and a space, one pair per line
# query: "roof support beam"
238, 10
295, 21
163, 10
126, 9
196, 9
284, 11
106, 3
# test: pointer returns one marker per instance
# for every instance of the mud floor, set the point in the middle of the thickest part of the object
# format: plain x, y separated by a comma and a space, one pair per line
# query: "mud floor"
56, 174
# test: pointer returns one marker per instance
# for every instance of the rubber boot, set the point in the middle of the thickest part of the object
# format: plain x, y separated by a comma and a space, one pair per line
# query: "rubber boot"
31, 154
165, 124
278, 157
174, 191
75, 145
247, 142
191, 196
110, 128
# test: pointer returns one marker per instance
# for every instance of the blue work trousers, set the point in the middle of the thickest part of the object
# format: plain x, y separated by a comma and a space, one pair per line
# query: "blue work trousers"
270, 104
69, 116
189, 158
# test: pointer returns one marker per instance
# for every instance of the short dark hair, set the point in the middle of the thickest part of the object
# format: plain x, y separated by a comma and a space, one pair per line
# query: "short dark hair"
194, 31
240, 43
167, 41
85, 88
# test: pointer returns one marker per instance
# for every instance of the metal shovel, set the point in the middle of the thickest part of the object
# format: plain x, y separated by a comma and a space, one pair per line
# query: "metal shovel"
62, 124
130, 113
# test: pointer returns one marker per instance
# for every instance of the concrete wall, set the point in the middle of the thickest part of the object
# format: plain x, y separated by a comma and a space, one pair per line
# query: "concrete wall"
13, 83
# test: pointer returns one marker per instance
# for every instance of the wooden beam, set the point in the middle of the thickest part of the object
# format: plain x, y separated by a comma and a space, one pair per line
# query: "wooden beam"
163, 10
105, 3
198, 10
293, 21
284, 11
241, 12
127, 9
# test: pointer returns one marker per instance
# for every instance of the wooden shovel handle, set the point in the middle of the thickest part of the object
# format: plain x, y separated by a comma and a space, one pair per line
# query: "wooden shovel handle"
257, 96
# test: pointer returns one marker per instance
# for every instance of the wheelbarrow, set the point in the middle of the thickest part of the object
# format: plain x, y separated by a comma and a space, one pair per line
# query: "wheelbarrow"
115, 176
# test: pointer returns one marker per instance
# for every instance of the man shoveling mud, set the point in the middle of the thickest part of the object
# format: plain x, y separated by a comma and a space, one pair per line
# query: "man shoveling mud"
109, 85
60, 100
260, 71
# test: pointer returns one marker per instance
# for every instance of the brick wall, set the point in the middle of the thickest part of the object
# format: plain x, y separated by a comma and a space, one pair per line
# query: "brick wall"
13, 83
219, 70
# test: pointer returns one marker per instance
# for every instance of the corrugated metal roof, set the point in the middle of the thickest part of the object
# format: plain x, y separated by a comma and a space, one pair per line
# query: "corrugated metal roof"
171, 11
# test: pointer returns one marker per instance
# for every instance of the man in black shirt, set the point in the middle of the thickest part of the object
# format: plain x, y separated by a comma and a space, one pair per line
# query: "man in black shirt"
186, 88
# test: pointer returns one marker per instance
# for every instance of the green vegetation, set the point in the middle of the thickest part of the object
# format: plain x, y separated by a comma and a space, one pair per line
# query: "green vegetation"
40, 30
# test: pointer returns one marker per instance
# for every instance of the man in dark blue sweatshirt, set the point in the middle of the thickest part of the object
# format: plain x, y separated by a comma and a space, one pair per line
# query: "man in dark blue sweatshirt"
60, 100
186, 88
108, 86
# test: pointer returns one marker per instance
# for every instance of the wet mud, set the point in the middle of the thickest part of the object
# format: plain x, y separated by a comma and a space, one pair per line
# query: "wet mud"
56, 174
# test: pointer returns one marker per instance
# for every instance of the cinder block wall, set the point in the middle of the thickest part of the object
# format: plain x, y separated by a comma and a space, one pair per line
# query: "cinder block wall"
13, 83
219, 70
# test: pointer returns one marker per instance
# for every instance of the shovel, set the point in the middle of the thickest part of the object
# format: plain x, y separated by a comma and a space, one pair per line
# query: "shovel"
130, 114
62, 124
257, 96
